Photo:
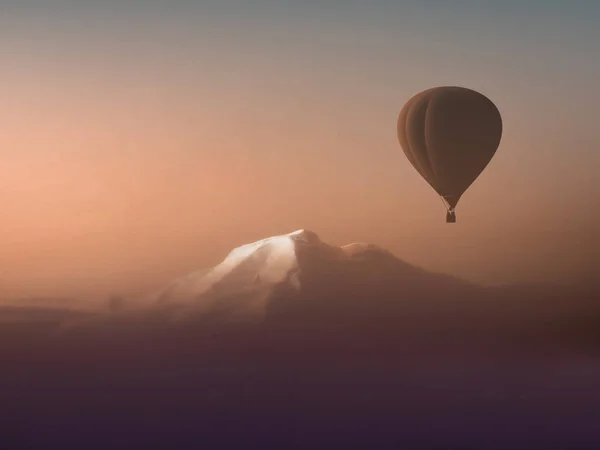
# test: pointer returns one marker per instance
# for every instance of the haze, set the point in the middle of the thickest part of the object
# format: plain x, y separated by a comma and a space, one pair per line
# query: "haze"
140, 142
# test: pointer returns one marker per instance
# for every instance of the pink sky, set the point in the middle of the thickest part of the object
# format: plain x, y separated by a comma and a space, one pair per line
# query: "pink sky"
122, 167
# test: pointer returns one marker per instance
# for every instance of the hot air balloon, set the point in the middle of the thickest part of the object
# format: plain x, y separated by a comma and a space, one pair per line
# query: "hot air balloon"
449, 134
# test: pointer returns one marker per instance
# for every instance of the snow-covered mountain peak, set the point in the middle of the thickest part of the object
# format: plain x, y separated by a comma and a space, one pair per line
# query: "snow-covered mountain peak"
248, 273
293, 265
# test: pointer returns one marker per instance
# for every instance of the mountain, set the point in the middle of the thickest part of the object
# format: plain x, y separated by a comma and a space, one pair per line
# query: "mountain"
299, 269
294, 290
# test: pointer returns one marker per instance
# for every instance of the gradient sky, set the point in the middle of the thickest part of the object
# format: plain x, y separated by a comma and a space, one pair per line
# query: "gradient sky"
143, 139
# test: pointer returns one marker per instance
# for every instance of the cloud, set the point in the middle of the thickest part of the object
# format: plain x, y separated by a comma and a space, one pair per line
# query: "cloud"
290, 333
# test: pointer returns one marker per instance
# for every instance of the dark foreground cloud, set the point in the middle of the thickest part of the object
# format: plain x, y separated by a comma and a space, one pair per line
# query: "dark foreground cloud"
292, 343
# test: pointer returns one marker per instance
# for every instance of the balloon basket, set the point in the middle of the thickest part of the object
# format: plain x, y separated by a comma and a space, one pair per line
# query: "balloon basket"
450, 217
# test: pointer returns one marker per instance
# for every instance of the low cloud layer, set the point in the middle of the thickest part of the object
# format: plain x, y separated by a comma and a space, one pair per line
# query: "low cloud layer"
291, 334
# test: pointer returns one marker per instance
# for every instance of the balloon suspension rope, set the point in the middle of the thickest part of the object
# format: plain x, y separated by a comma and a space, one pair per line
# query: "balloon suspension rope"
446, 204
451, 216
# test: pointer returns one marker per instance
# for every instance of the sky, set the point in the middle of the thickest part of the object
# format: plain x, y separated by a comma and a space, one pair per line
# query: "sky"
141, 140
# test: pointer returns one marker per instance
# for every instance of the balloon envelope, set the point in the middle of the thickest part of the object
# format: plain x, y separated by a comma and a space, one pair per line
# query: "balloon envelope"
449, 134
